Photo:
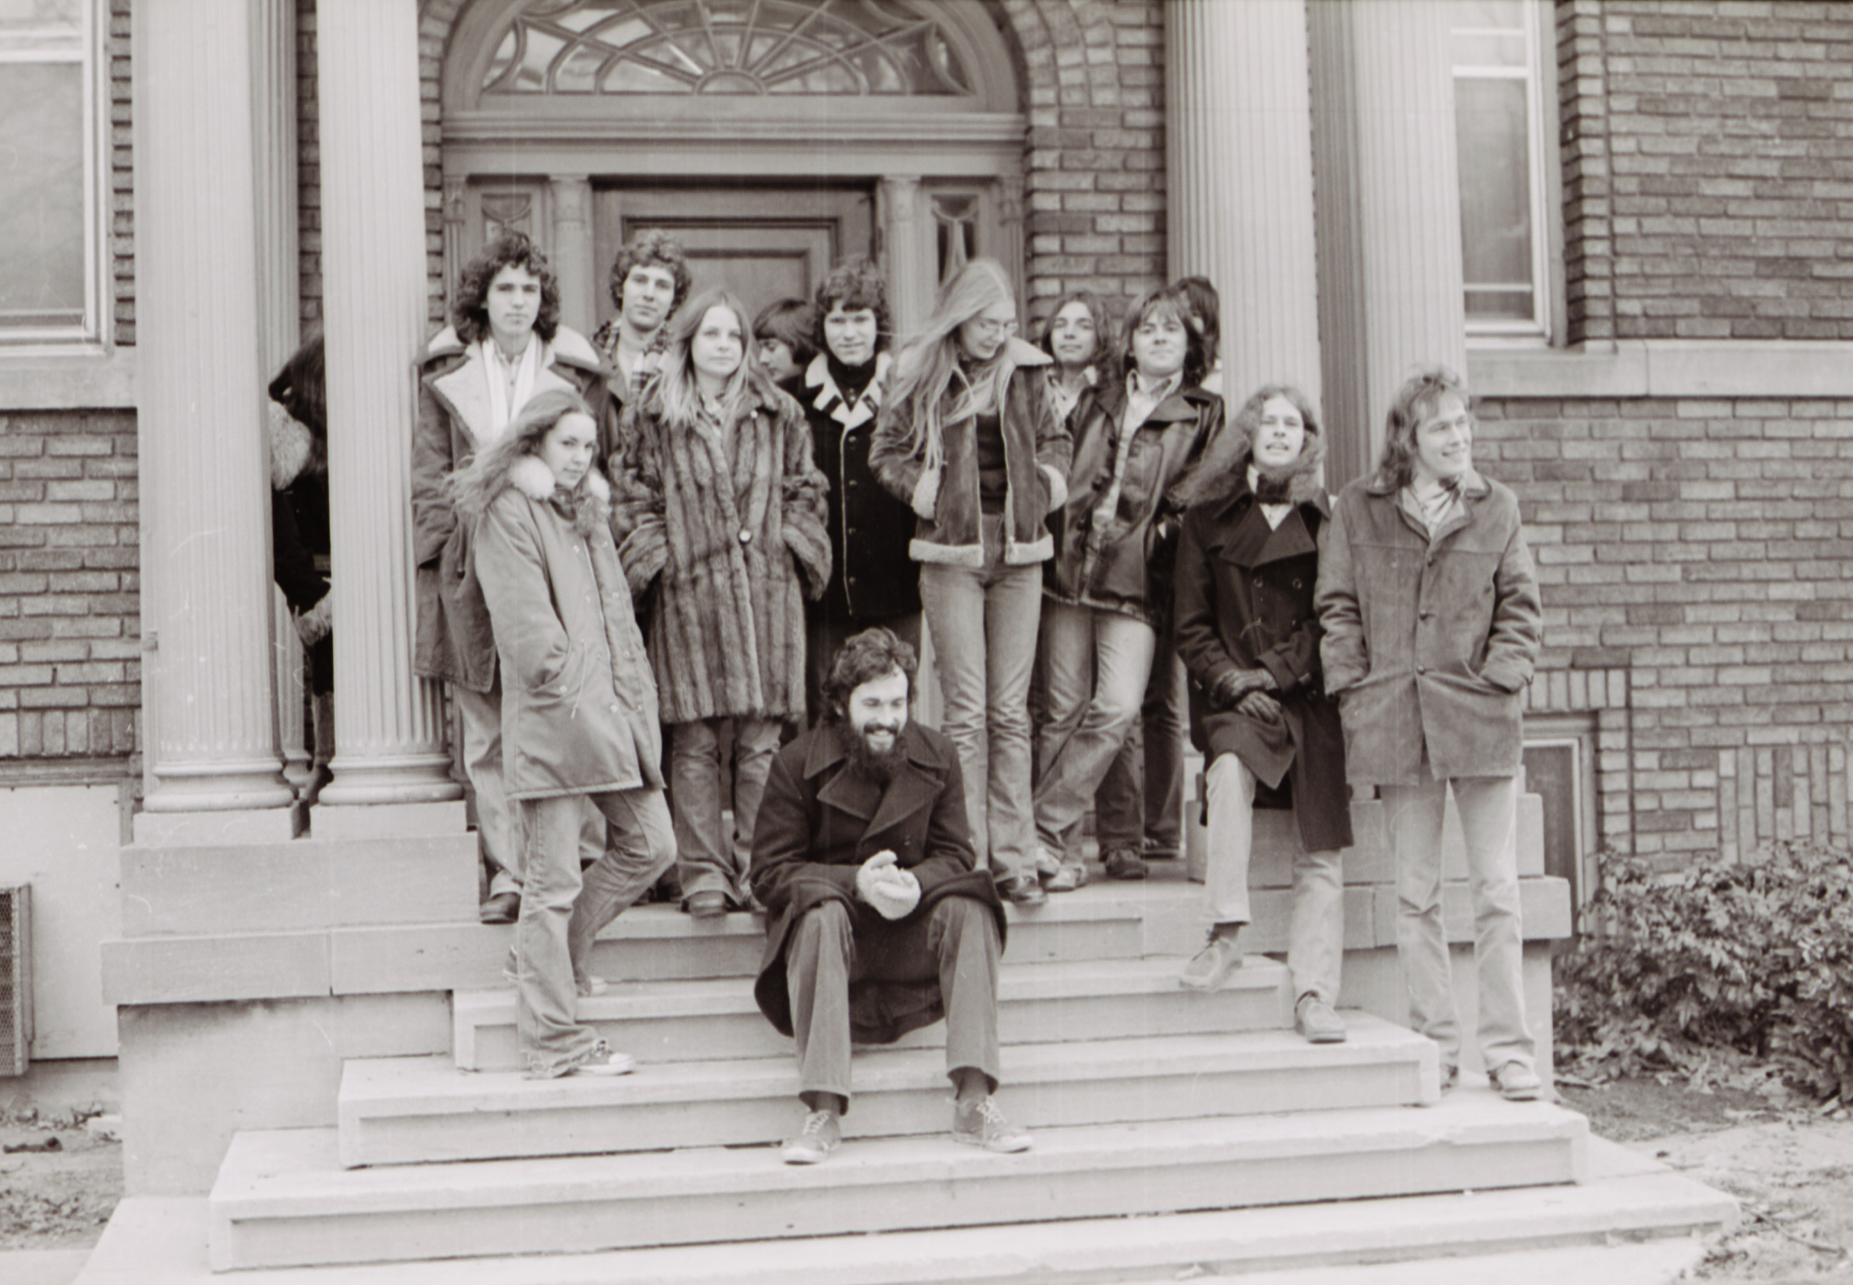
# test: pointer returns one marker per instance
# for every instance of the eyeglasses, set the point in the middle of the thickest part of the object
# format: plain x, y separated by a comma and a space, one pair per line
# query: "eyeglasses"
987, 327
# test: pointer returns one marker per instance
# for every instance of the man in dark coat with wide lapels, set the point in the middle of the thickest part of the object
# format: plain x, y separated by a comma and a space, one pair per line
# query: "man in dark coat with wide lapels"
878, 919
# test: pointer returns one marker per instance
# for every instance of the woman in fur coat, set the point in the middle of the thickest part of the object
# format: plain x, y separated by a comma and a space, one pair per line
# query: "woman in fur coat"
1247, 564
720, 506
579, 713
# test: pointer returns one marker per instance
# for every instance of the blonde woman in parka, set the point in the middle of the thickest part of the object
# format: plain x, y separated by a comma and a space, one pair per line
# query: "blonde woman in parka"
579, 714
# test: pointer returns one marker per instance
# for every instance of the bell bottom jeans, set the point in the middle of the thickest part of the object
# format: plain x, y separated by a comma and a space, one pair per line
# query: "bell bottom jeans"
1488, 809
562, 910
1316, 932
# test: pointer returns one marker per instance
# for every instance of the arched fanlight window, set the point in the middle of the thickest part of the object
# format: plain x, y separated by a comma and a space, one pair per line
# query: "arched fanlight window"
740, 47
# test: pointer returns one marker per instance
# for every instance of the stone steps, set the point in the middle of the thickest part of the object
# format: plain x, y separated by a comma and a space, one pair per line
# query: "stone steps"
414, 1110
1628, 1216
283, 1197
1081, 999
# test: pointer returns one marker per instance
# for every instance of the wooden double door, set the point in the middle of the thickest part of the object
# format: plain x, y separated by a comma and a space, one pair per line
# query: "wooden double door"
763, 243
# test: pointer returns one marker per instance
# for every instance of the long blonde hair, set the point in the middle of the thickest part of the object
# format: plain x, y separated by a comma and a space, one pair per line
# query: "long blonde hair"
676, 397
930, 362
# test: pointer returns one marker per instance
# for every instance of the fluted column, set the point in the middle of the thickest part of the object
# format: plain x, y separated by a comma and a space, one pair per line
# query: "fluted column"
1239, 138
205, 521
572, 250
911, 279
1389, 206
389, 745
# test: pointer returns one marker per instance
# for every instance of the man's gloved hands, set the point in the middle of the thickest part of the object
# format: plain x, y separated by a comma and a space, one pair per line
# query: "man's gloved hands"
1237, 683
893, 891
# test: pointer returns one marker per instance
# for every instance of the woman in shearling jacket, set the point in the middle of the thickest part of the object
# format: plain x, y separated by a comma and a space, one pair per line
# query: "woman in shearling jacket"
721, 508
1246, 567
968, 438
1139, 441
579, 713
1432, 625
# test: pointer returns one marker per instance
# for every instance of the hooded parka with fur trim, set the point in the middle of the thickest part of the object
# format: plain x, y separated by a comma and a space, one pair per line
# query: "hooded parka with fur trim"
579, 712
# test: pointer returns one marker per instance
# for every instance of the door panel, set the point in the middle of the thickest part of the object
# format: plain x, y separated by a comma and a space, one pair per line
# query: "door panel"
764, 244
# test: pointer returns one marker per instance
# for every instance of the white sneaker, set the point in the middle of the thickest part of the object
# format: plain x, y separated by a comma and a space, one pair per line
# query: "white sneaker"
1210, 967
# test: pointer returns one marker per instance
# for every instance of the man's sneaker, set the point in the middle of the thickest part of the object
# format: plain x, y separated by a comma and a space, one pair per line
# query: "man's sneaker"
1314, 1019
591, 986
817, 1139
981, 1123
1124, 863
1516, 1082
1068, 876
1210, 967
1023, 890
598, 1059
1048, 864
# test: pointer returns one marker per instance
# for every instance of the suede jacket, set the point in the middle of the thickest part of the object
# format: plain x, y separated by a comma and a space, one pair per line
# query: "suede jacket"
1428, 642
454, 641
945, 501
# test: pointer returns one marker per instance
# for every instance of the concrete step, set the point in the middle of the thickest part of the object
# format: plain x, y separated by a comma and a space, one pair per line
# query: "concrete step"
1629, 1216
419, 1110
282, 1197
1039, 1003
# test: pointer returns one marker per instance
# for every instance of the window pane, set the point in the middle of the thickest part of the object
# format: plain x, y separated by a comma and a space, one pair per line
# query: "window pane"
1495, 176
41, 15
42, 200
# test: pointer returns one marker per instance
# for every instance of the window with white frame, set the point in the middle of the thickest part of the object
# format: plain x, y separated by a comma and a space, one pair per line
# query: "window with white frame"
1501, 52
51, 251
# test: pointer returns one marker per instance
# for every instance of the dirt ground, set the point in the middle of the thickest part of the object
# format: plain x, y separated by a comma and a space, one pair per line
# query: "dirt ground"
59, 1182
1790, 1165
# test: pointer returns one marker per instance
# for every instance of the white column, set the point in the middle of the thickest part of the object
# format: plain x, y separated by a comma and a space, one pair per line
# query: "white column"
1389, 207
205, 529
572, 250
912, 280
389, 746
1239, 178
273, 108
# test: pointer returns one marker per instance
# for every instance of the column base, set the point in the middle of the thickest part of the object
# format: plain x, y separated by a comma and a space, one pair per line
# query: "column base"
219, 829
386, 820
410, 779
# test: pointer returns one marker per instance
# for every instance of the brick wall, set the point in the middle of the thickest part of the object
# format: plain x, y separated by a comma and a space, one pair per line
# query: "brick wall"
1095, 180
70, 625
1724, 132
1701, 548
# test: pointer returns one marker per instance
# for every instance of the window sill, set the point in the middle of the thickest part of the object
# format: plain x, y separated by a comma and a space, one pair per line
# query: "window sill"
42, 381
1667, 368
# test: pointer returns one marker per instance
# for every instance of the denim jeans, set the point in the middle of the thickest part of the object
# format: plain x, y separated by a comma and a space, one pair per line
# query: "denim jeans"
563, 911
708, 861
955, 942
1097, 663
498, 827
1140, 802
984, 622
1316, 932
479, 714
1488, 809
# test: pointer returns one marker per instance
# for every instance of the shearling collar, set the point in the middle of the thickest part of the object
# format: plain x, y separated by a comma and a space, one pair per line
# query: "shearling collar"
1473, 485
828, 397
292, 448
456, 376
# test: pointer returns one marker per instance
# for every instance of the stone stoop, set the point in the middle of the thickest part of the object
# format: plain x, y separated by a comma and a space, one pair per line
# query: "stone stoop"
415, 1110
283, 1198
1631, 1222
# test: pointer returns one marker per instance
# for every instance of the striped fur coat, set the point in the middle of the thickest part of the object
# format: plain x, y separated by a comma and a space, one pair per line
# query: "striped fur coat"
733, 545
